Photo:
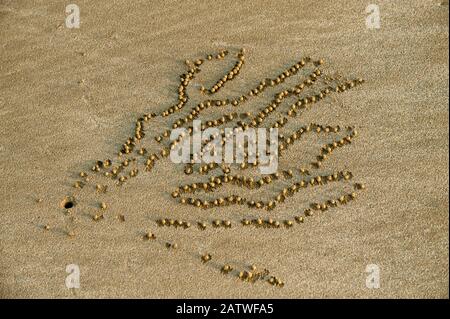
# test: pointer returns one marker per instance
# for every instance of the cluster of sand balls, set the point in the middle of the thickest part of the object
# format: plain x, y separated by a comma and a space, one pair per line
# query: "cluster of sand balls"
252, 275
132, 158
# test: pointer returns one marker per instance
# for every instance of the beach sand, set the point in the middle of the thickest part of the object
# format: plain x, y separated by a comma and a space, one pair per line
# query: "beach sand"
71, 96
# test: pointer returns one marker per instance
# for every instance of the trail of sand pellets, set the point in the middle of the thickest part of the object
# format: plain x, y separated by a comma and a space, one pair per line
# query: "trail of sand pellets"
312, 87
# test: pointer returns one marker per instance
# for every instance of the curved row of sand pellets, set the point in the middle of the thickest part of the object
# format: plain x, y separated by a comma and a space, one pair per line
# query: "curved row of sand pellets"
133, 159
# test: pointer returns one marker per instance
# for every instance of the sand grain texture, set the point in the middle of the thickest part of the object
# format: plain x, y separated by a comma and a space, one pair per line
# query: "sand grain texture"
68, 97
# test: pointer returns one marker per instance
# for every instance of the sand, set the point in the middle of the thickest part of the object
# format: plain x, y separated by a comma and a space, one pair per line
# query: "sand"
71, 96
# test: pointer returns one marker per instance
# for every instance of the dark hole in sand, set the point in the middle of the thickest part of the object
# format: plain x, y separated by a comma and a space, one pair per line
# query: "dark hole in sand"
68, 204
